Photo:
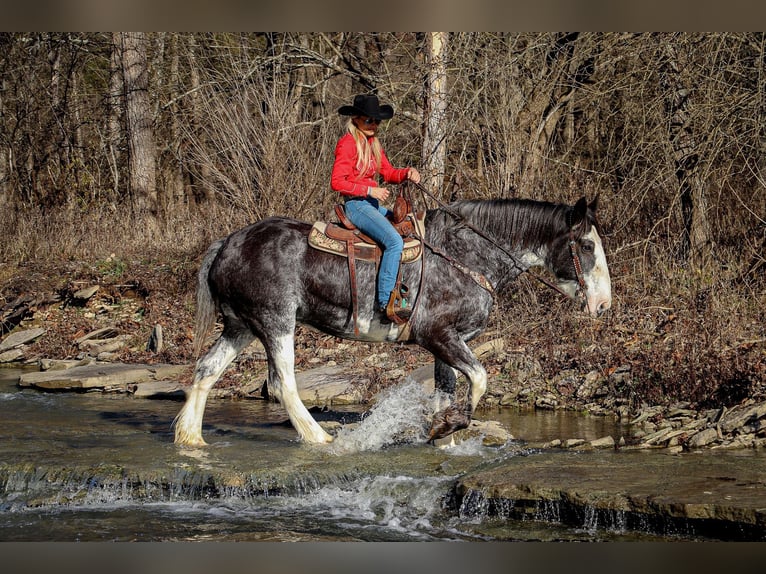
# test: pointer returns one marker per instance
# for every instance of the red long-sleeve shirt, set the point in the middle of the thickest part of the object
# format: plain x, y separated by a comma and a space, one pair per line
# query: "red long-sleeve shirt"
347, 179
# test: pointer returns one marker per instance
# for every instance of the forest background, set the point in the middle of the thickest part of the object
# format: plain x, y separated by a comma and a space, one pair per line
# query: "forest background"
123, 155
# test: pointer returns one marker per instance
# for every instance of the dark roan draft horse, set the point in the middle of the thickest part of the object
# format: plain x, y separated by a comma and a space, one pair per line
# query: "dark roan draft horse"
265, 278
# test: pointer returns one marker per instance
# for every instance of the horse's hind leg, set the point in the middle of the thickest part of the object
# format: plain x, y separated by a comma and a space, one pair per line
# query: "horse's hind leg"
188, 423
282, 386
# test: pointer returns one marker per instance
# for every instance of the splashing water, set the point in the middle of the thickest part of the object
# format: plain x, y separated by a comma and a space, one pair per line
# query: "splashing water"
400, 415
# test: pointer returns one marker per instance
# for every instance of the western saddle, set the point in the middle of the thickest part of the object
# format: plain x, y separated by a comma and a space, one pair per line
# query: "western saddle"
345, 239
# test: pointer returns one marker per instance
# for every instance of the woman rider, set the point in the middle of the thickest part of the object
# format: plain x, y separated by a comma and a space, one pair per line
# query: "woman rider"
359, 160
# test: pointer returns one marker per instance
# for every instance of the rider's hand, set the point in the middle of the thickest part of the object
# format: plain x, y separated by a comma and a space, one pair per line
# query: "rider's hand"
379, 193
413, 175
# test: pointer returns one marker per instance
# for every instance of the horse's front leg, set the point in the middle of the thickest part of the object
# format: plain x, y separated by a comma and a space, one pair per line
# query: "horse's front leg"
449, 353
445, 379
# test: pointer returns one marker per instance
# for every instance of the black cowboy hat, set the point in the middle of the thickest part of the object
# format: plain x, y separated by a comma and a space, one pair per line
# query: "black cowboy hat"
367, 106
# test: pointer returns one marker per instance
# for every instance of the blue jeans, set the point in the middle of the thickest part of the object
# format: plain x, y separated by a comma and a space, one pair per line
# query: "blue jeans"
370, 218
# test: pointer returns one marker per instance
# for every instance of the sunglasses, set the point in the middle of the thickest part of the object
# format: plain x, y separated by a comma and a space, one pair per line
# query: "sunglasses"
371, 121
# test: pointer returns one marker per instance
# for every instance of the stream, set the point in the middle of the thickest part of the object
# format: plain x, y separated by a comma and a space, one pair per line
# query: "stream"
103, 467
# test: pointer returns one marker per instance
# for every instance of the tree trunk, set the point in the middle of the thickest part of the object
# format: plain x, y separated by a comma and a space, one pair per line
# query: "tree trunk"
175, 194
142, 176
545, 108
434, 153
115, 108
695, 243
200, 187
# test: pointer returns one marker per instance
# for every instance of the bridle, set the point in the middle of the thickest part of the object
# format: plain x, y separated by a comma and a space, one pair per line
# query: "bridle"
574, 250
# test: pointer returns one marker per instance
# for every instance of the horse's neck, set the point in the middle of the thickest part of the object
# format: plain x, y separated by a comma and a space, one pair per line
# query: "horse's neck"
499, 263
503, 249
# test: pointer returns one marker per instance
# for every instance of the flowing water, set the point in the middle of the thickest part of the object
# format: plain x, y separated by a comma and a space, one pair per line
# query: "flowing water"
102, 467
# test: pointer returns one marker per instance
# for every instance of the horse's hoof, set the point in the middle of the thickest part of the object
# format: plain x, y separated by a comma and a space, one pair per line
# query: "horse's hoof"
190, 442
451, 419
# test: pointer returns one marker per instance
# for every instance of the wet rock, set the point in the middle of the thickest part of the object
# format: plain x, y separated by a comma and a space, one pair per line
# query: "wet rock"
492, 432
546, 402
158, 390
595, 489
574, 442
657, 437
604, 442
328, 385
114, 377
703, 438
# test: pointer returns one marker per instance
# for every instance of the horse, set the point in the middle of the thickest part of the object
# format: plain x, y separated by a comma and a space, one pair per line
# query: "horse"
265, 278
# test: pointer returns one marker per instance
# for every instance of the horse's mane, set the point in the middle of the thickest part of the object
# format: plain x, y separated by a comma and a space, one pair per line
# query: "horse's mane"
521, 221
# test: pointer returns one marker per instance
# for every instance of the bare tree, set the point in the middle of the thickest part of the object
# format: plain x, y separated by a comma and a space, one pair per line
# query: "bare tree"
686, 155
140, 121
435, 116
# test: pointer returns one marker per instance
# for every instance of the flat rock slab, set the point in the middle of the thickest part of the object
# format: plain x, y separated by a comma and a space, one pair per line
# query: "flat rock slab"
18, 338
107, 376
703, 494
159, 390
328, 384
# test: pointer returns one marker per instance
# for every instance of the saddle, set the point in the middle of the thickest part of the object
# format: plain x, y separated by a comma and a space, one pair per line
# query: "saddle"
343, 238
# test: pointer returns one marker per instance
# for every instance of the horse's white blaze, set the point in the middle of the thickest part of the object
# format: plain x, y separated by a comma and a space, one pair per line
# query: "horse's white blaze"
188, 422
287, 394
597, 281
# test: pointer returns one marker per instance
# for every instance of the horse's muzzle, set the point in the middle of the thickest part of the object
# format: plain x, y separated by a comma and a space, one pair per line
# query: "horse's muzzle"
597, 305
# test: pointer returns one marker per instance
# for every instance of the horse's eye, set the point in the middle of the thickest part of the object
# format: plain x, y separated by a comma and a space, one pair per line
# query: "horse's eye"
587, 247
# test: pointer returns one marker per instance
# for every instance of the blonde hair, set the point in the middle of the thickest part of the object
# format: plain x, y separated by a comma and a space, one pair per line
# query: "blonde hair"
364, 151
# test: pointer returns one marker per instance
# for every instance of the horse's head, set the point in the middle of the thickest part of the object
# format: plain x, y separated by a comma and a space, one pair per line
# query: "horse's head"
579, 262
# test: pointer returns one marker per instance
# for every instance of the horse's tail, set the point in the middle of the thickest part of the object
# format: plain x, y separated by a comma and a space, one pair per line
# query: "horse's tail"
206, 305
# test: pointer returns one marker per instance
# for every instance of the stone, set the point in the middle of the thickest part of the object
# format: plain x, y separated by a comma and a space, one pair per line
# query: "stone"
489, 348
703, 438
100, 334
85, 293
97, 346
547, 402
11, 355
155, 344
328, 385
18, 338
735, 419
158, 390
665, 491
604, 442
115, 376
58, 364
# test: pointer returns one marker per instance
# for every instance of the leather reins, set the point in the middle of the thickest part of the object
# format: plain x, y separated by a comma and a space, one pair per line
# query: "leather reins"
574, 250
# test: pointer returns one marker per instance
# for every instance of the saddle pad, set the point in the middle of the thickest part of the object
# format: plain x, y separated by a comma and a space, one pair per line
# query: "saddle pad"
318, 239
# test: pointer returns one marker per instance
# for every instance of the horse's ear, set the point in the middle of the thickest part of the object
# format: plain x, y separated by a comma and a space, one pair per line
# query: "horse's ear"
578, 216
